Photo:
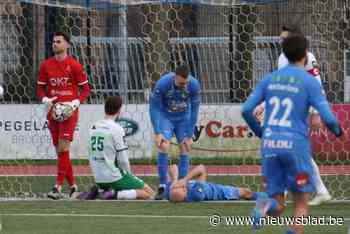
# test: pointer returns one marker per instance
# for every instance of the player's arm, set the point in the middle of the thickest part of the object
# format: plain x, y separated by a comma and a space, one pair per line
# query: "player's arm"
83, 84
173, 172
199, 173
314, 70
320, 103
195, 101
121, 149
249, 106
155, 107
41, 86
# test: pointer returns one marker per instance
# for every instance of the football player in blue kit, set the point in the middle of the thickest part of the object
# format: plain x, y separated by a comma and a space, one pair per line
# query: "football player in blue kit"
285, 148
195, 188
174, 106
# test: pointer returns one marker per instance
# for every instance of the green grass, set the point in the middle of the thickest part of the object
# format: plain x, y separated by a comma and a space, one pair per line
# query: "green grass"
75, 217
136, 217
39, 185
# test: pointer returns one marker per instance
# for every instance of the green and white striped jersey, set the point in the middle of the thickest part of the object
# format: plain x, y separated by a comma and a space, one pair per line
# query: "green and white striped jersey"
105, 143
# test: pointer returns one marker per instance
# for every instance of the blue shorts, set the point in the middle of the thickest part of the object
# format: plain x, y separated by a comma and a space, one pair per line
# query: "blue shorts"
286, 165
179, 128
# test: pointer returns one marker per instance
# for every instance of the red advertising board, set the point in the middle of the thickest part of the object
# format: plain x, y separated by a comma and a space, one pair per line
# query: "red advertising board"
325, 145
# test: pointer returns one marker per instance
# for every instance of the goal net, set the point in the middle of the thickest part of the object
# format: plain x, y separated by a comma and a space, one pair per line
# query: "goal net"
125, 46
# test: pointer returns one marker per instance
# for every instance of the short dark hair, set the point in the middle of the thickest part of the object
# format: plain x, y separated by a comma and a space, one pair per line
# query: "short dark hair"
182, 71
113, 105
295, 47
63, 34
292, 28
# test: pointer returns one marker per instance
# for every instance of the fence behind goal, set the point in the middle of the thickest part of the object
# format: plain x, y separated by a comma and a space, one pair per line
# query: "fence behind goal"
125, 46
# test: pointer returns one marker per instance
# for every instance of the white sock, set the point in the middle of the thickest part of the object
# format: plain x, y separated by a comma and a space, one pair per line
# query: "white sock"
320, 187
127, 194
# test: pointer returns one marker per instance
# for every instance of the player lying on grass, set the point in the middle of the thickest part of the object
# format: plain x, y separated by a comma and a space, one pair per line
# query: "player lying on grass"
109, 159
194, 187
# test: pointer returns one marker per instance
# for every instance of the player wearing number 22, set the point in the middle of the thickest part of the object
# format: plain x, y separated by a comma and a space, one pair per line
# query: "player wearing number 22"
174, 106
285, 147
62, 80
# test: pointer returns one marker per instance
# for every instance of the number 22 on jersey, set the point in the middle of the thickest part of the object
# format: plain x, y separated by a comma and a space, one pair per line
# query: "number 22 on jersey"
285, 106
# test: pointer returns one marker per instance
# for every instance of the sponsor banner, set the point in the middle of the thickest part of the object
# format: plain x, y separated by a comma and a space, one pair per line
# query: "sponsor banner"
220, 131
325, 145
24, 131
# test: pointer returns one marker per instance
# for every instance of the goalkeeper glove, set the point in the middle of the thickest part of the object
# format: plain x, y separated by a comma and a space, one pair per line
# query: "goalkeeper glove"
48, 101
75, 104
1, 91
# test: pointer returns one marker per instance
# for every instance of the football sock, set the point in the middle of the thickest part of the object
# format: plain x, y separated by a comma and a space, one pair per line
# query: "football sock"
62, 165
130, 194
184, 165
69, 173
273, 205
320, 187
162, 162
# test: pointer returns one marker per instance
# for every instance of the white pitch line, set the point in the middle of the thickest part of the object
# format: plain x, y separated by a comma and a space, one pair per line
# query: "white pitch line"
110, 216
119, 216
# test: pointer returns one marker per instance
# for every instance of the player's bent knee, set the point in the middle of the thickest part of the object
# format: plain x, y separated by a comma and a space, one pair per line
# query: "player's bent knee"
63, 145
164, 147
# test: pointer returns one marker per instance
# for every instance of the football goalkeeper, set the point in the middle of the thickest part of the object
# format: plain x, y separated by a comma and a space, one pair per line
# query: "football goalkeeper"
60, 79
109, 160
194, 188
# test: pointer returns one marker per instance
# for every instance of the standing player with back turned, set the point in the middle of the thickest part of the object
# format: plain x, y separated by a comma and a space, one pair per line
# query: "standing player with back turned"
311, 66
62, 80
285, 147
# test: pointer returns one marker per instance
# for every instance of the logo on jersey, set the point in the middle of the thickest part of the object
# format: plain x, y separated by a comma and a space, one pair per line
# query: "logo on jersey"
60, 81
315, 70
302, 179
130, 126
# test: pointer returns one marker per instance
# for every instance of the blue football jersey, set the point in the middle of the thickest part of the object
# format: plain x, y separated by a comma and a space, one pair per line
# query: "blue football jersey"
288, 94
205, 191
175, 104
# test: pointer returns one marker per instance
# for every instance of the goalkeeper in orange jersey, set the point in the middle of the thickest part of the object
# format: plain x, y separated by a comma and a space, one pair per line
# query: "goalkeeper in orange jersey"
62, 80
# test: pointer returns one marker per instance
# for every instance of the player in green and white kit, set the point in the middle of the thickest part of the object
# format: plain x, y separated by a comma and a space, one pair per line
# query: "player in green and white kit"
109, 159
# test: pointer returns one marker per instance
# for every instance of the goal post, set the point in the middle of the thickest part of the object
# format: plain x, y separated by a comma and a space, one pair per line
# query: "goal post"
125, 46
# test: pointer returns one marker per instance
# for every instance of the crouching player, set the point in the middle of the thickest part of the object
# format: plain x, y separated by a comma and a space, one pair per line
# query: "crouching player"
109, 160
194, 188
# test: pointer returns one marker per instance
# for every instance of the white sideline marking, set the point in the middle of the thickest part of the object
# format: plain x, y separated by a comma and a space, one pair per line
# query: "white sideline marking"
119, 216
4, 200
110, 215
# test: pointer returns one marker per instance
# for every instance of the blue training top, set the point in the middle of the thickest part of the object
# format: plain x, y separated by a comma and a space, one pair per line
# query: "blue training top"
288, 94
176, 104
